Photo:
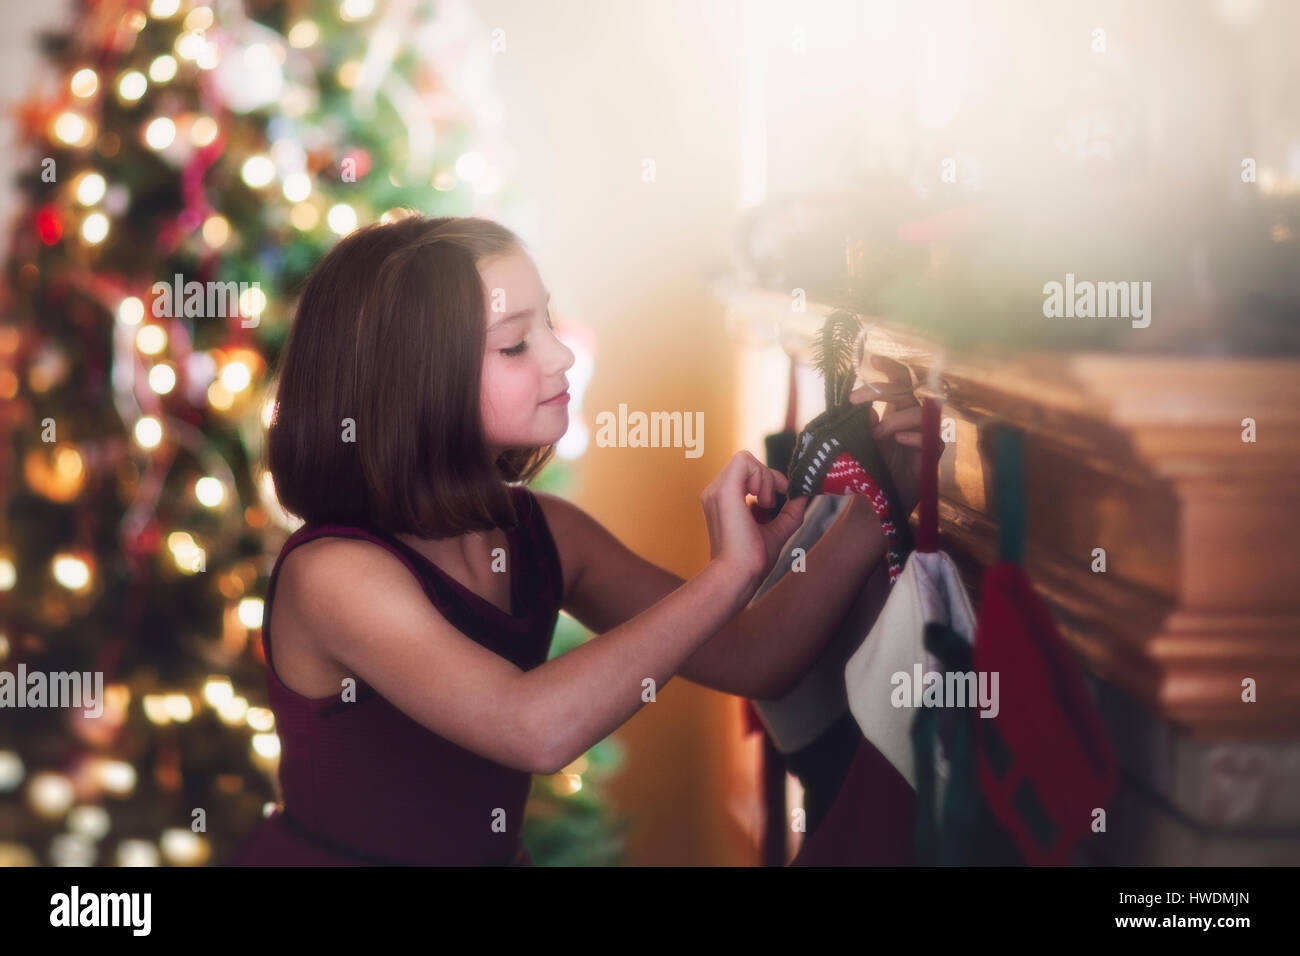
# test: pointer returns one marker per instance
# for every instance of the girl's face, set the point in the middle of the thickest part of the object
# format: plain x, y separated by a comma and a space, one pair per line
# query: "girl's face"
523, 362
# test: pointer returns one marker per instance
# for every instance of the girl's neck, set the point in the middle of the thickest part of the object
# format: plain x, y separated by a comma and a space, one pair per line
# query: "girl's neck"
464, 550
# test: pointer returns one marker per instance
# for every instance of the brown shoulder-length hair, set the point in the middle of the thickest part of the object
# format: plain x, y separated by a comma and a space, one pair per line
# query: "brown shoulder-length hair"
377, 418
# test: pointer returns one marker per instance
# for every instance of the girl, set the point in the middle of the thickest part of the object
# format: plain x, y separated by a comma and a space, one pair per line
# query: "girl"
408, 621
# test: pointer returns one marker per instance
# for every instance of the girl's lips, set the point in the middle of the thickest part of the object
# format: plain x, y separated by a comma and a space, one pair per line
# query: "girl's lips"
561, 399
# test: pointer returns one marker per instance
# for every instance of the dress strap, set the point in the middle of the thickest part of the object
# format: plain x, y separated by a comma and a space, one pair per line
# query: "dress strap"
540, 543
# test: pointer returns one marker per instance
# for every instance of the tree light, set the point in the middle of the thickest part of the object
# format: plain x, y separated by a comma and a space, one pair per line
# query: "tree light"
210, 491
257, 171
250, 612
148, 432
84, 83
94, 228
90, 189
163, 68
132, 85
160, 133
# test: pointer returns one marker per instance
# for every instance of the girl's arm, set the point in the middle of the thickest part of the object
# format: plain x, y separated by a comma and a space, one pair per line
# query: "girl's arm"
585, 694
369, 613
765, 649
761, 651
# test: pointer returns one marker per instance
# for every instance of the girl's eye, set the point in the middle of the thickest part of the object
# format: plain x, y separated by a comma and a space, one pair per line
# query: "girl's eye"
523, 346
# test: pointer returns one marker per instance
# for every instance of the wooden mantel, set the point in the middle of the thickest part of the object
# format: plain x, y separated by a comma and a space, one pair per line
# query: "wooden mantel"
1144, 457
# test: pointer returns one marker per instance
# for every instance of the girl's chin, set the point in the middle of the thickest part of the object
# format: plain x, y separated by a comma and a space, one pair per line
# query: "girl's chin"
553, 428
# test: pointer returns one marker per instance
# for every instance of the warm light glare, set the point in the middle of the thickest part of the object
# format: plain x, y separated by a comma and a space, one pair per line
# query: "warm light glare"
11, 771
218, 691
257, 171
50, 794
303, 34
216, 231
342, 218
304, 216
116, 776
471, 166
235, 376
234, 712
148, 432
198, 19
67, 463
163, 68
132, 86
94, 228
179, 707
189, 46
70, 128
135, 852
180, 540
187, 554
162, 379
351, 10
90, 189
151, 339
70, 571
250, 612
209, 491
203, 131
130, 311
297, 186
252, 302
155, 709
89, 821
84, 83
349, 73
209, 57
182, 847
160, 133
220, 397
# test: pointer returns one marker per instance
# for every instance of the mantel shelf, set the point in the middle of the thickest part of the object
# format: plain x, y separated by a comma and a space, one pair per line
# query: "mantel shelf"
1143, 457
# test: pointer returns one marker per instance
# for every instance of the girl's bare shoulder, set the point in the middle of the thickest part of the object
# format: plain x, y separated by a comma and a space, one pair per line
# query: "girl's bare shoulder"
338, 562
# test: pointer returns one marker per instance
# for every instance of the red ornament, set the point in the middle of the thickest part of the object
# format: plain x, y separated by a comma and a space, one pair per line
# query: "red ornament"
49, 226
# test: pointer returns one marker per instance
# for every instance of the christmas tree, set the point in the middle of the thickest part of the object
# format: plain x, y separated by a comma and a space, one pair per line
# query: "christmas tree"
227, 146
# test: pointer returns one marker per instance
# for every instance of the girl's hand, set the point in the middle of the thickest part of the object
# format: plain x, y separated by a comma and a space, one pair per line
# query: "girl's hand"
898, 433
736, 538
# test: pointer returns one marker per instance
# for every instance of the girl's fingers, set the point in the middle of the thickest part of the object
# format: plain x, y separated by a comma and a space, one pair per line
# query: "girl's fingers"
764, 494
897, 371
900, 380
879, 392
905, 419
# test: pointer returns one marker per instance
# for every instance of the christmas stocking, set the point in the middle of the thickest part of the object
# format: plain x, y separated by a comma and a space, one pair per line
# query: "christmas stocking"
954, 825
884, 677
835, 455
1045, 761
870, 823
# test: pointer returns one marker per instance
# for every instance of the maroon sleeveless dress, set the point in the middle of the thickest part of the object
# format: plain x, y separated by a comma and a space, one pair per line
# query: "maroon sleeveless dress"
362, 784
